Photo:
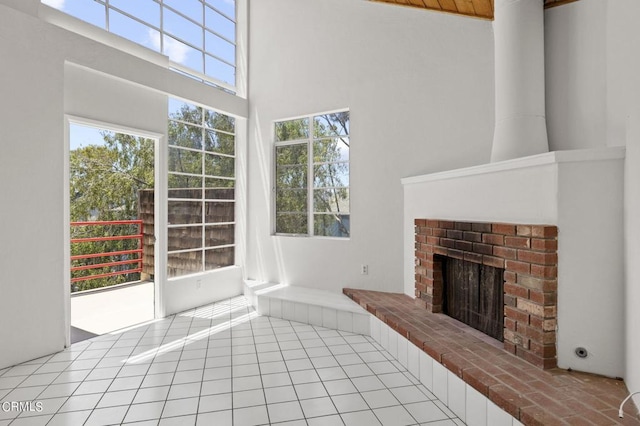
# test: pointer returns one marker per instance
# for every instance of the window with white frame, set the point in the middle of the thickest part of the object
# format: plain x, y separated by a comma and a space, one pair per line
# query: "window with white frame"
201, 189
312, 175
198, 36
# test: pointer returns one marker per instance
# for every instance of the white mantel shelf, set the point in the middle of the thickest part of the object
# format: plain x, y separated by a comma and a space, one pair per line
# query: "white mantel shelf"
554, 157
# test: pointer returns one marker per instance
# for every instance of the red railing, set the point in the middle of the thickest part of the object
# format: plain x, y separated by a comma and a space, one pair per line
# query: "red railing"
138, 251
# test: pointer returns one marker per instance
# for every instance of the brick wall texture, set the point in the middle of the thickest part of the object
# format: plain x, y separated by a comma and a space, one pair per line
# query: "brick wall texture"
529, 256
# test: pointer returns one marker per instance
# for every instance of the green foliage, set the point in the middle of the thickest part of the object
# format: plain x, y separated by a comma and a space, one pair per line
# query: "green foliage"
330, 151
213, 136
201, 168
104, 184
105, 179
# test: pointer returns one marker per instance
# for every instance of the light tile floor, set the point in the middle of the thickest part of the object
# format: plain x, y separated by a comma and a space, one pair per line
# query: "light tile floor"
220, 364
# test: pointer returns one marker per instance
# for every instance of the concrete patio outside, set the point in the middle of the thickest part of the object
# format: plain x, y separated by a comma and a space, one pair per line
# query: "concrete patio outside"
102, 311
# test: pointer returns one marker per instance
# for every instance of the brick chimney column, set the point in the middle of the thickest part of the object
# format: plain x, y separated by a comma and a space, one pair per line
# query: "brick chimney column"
520, 125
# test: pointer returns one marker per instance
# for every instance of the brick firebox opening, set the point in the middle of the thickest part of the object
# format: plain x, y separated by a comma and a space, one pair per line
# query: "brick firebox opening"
529, 256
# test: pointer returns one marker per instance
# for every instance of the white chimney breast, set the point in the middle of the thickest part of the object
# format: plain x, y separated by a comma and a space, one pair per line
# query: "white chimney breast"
520, 124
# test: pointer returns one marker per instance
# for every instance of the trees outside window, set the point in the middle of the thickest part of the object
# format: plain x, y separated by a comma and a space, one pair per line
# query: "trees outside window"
201, 198
312, 175
105, 178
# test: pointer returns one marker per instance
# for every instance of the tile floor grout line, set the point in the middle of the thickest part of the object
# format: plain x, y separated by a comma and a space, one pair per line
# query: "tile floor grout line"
316, 371
203, 372
155, 354
299, 341
406, 370
86, 348
264, 395
284, 361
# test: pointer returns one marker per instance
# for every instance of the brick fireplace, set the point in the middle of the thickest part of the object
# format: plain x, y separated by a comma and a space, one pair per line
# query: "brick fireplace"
529, 256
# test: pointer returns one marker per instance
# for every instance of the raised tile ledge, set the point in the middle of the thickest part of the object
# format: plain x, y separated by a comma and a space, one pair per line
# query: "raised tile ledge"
309, 306
455, 361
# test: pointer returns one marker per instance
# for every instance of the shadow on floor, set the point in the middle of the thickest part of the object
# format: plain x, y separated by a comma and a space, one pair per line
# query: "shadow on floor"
78, 335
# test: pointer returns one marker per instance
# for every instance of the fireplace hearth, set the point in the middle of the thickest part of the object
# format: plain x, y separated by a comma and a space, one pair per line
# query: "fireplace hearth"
526, 258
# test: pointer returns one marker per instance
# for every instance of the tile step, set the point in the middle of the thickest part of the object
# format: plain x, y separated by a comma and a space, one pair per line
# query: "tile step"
309, 306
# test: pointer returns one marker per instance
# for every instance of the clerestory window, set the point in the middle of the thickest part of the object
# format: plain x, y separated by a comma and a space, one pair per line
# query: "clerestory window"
198, 36
312, 175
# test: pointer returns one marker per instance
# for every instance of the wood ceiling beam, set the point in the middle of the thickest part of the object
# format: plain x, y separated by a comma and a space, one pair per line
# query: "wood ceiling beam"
476, 8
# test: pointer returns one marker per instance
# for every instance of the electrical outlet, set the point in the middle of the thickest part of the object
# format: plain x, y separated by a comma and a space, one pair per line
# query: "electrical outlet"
198, 283
364, 269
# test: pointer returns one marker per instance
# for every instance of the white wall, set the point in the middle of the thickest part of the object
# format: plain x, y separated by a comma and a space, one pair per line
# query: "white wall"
591, 266
31, 252
623, 107
575, 53
48, 71
97, 96
419, 86
592, 100
581, 193
200, 289
632, 252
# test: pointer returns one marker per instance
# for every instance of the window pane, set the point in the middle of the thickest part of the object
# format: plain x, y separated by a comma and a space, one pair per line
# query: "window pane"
292, 130
216, 212
89, 11
216, 165
334, 200
192, 193
331, 225
330, 150
220, 70
219, 121
220, 47
147, 11
291, 155
287, 223
184, 182
219, 235
291, 177
185, 112
226, 184
179, 264
185, 237
330, 170
182, 54
219, 142
228, 7
181, 160
182, 28
220, 24
219, 194
336, 124
195, 199
185, 212
175, 28
331, 175
291, 200
184, 135
219, 258
190, 8
133, 30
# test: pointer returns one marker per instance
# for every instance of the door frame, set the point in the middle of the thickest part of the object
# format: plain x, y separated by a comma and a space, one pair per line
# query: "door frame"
160, 210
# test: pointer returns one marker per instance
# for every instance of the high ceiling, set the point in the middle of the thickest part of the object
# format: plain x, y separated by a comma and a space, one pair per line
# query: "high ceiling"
476, 8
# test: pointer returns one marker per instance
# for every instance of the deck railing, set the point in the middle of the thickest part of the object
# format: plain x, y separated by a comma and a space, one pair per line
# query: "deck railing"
135, 254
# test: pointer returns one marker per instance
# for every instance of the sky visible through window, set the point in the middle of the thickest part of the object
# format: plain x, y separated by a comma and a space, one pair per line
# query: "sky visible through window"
82, 136
196, 36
